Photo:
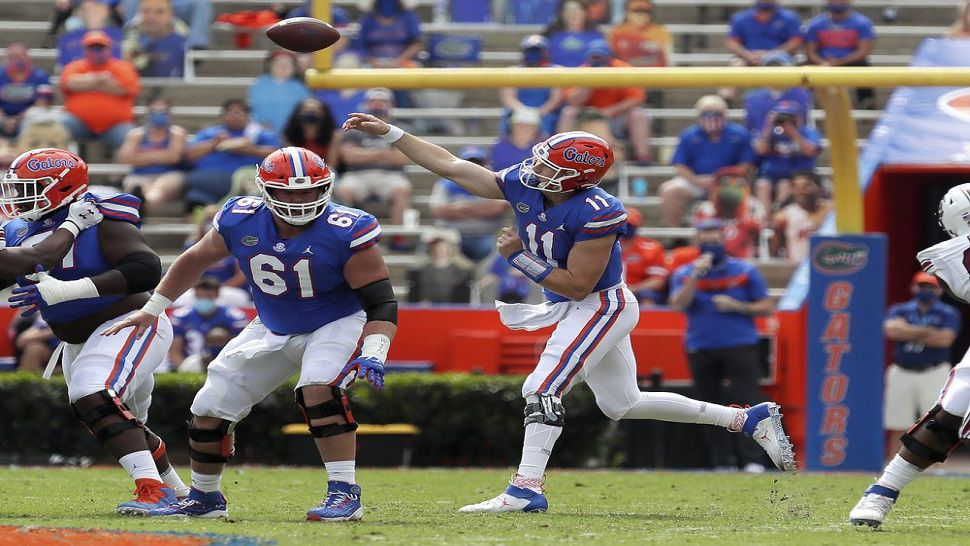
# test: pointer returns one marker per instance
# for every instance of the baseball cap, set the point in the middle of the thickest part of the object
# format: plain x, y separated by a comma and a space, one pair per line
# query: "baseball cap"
925, 278
469, 153
708, 224
787, 107
537, 41
96, 37
379, 93
529, 116
598, 48
777, 58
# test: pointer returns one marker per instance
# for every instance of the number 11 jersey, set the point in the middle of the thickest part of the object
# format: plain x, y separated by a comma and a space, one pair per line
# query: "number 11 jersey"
298, 284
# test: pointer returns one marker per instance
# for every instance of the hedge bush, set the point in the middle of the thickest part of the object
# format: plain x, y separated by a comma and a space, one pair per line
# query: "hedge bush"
466, 420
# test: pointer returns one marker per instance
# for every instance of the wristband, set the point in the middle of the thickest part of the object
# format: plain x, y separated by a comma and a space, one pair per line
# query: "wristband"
393, 135
376, 346
70, 226
531, 265
156, 304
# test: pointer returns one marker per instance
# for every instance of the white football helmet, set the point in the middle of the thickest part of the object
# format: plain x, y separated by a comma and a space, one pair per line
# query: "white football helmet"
954, 213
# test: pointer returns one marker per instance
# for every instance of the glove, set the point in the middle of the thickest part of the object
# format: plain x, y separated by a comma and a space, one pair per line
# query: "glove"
366, 367
84, 214
49, 291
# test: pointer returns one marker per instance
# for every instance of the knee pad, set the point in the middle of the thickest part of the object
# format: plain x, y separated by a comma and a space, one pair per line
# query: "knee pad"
221, 434
947, 437
547, 410
109, 405
338, 405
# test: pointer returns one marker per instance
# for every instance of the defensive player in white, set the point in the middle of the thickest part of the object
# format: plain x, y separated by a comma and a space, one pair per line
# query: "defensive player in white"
570, 227
947, 424
103, 273
319, 284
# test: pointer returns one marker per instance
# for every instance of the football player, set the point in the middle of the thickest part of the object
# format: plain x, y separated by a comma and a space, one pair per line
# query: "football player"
319, 284
105, 274
566, 242
947, 423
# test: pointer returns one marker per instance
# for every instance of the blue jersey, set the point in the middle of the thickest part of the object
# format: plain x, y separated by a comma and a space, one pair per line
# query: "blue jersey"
700, 154
297, 284
551, 233
916, 356
837, 39
83, 260
193, 326
757, 35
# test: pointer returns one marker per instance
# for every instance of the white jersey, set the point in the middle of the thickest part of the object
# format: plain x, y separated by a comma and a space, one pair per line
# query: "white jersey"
946, 261
799, 224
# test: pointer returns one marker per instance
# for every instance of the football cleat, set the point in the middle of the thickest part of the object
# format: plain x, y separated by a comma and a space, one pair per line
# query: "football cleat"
872, 508
197, 505
514, 499
342, 503
150, 494
763, 424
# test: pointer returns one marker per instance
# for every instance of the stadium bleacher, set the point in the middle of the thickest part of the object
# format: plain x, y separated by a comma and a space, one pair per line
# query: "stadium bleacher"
698, 28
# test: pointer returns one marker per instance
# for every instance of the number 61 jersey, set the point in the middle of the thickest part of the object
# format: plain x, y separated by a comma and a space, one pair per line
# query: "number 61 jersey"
298, 284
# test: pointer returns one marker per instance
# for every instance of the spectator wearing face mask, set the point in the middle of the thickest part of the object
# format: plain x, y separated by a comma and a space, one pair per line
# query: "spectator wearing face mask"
155, 151
99, 93
721, 296
19, 84
192, 325
312, 126
842, 37
547, 100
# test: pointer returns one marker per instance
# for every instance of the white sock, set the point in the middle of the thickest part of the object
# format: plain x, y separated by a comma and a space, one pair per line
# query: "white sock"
536, 449
207, 483
140, 465
667, 406
171, 477
341, 471
898, 473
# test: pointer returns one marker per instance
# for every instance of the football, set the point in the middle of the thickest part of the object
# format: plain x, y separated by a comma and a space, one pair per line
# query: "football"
303, 34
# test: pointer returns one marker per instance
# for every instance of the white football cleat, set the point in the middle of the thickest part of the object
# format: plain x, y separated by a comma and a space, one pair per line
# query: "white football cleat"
763, 424
872, 508
514, 499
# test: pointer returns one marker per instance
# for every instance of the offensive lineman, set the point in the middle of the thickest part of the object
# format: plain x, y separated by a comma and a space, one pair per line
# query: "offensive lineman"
932, 438
319, 284
103, 275
571, 228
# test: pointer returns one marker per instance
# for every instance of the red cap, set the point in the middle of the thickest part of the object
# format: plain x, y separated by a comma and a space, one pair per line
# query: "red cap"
96, 37
925, 278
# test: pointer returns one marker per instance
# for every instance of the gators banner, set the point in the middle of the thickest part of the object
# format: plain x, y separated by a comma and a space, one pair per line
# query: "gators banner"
847, 293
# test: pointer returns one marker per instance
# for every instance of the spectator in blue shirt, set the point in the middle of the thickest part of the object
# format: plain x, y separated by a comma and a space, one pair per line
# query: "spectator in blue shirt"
155, 41
516, 147
721, 296
19, 80
530, 12
703, 149
198, 14
154, 151
784, 146
842, 37
922, 331
200, 331
93, 15
570, 34
390, 35
475, 218
219, 150
756, 31
277, 91
548, 100
759, 102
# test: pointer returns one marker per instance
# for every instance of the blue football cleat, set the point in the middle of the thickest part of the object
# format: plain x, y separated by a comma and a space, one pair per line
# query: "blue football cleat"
341, 504
514, 499
151, 494
197, 505
763, 424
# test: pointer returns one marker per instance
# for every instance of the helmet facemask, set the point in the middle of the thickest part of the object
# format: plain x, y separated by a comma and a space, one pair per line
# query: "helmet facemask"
297, 214
17, 193
553, 183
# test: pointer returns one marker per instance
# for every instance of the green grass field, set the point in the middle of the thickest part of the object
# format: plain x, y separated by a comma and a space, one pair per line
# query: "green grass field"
419, 507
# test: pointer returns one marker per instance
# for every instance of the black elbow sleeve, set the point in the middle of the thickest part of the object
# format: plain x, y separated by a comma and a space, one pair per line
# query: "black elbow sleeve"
141, 270
377, 299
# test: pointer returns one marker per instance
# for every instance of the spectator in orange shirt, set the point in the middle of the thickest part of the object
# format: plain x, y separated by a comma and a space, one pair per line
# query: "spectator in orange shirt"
628, 120
99, 93
644, 263
640, 40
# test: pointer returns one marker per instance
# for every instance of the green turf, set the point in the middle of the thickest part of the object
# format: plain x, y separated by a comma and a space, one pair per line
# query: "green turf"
608, 507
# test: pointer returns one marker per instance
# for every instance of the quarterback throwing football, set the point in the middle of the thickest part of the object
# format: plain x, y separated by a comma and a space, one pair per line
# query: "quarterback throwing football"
566, 242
